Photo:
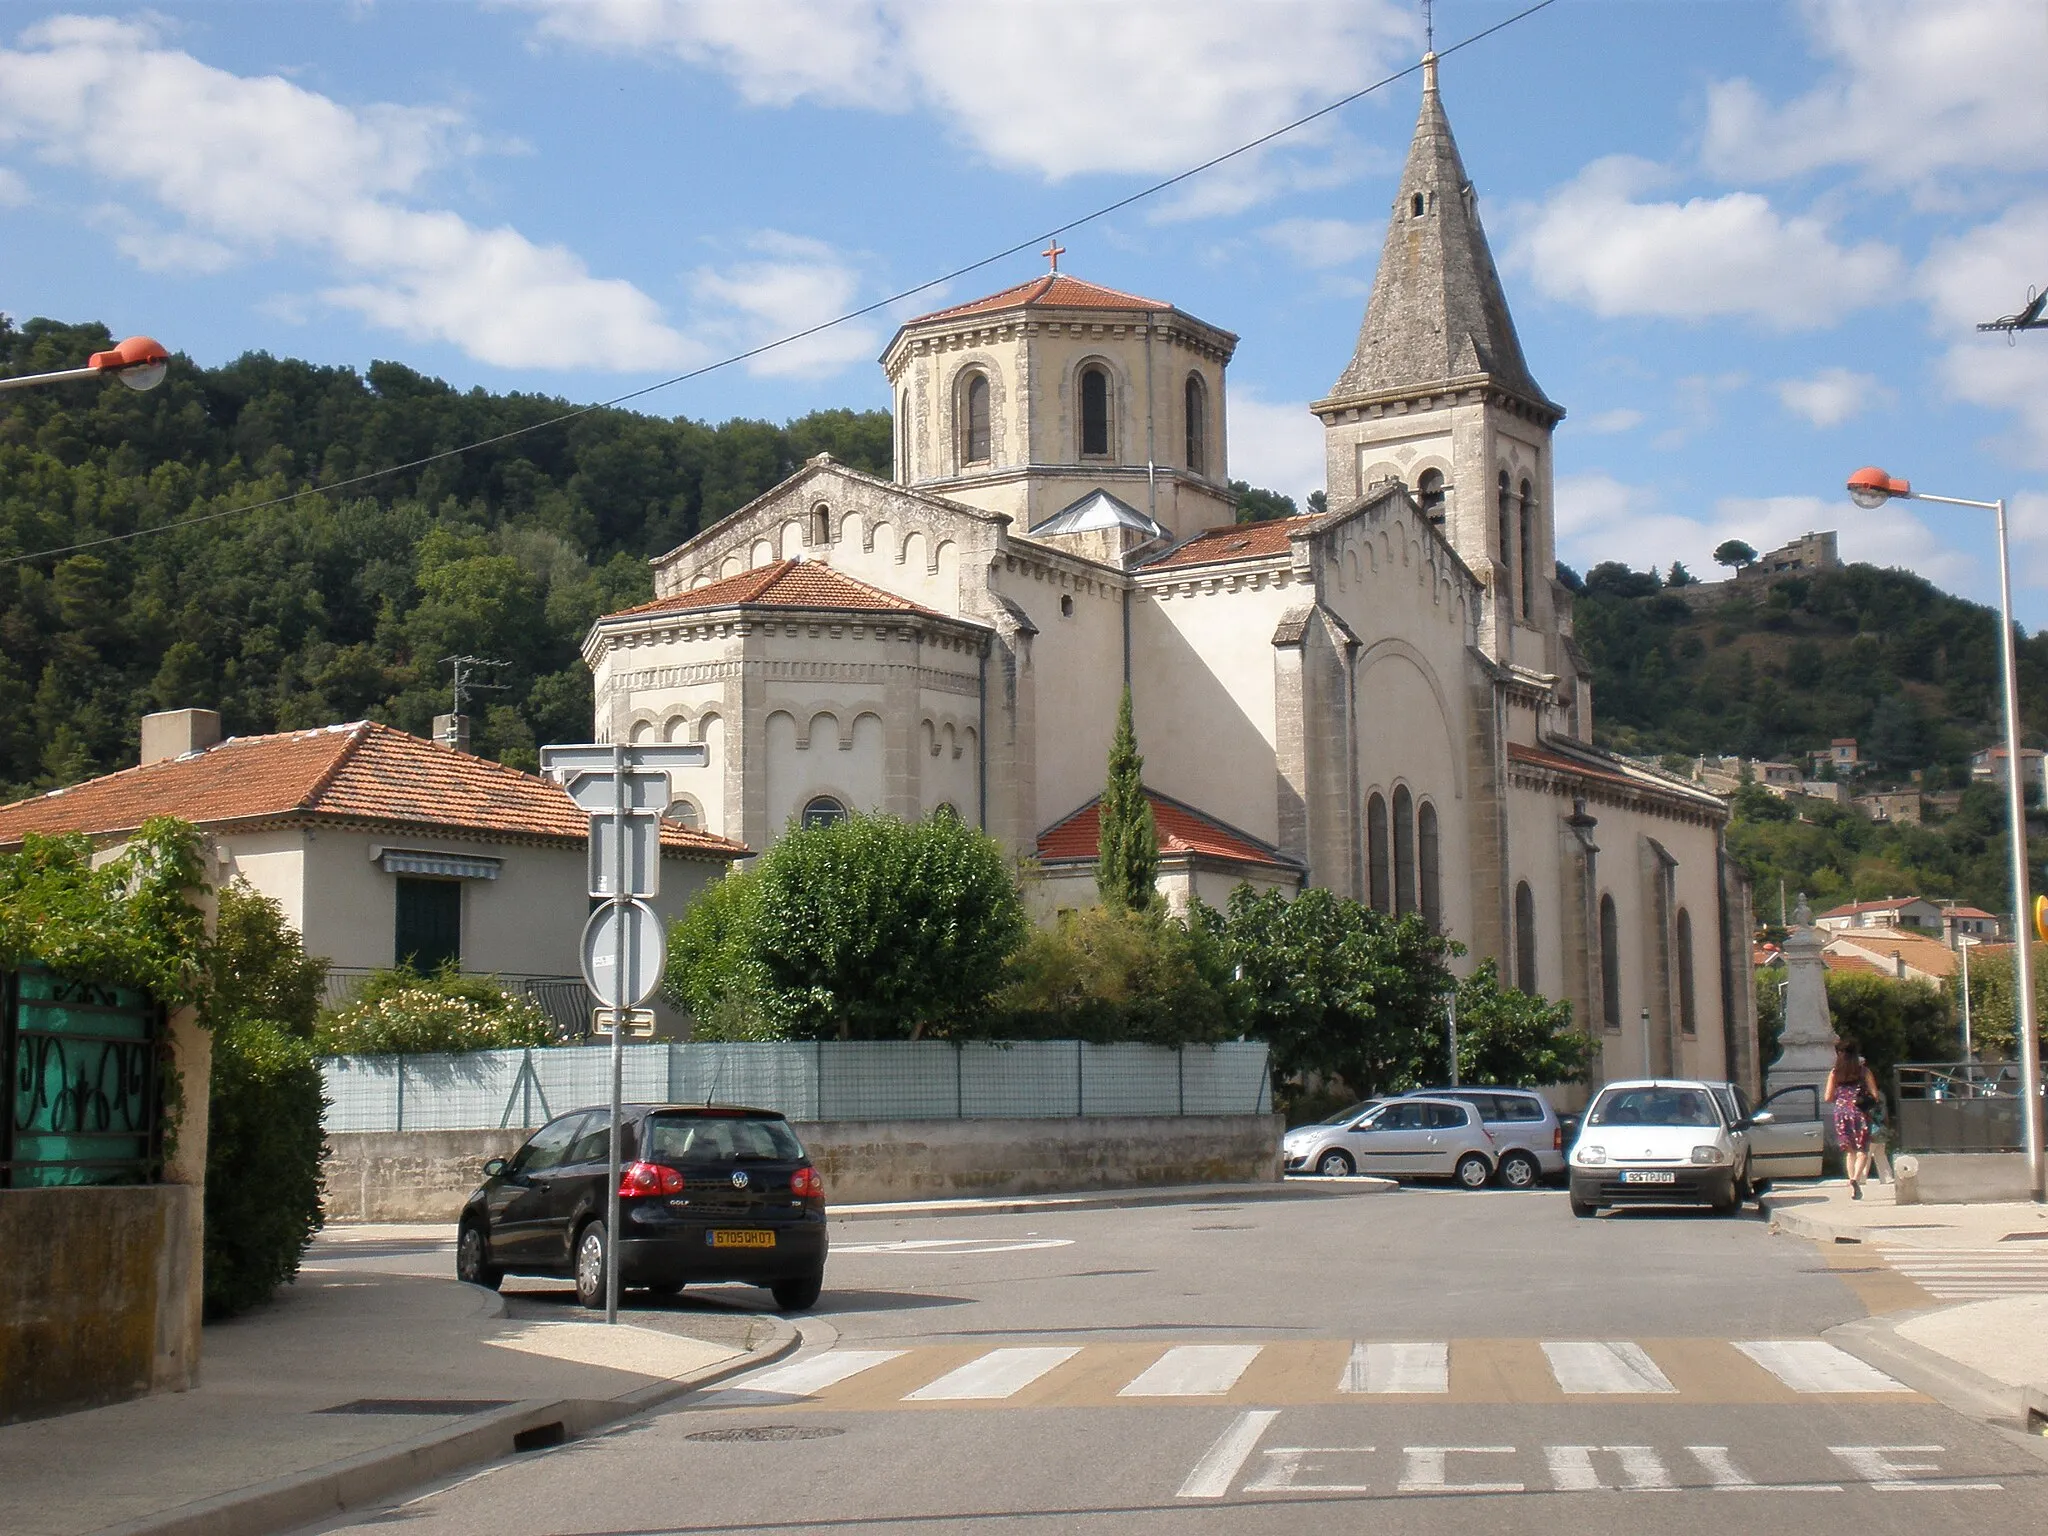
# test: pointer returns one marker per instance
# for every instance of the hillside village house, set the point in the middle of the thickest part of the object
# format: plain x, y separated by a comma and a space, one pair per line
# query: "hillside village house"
1384, 699
1988, 766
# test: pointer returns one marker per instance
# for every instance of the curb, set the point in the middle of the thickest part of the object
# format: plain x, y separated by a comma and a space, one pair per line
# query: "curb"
1793, 1222
1112, 1200
1950, 1382
341, 1486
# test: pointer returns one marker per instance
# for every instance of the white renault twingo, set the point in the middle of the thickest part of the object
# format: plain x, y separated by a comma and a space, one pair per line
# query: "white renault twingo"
1663, 1141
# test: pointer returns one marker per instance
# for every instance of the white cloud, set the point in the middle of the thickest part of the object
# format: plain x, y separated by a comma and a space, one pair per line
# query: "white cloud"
1059, 89
13, 188
1277, 445
1321, 243
245, 166
791, 284
1832, 396
1921, 90
1605, 423
1592, 243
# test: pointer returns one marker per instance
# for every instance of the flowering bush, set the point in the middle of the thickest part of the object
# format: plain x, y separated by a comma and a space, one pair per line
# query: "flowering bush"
414, 1016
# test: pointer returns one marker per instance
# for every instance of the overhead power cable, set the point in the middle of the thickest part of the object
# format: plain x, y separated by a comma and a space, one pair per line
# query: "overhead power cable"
1103, 212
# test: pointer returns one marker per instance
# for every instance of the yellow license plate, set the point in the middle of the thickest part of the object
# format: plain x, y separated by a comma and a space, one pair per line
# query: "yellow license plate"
743, 1239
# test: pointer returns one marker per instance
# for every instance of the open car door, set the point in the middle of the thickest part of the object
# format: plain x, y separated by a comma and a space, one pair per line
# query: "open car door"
1789, 1144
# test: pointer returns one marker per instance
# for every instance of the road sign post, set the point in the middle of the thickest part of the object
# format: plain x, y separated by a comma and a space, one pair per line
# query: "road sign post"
625, 788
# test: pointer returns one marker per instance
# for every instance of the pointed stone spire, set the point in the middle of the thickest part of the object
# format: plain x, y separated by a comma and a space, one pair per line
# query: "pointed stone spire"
1437, 311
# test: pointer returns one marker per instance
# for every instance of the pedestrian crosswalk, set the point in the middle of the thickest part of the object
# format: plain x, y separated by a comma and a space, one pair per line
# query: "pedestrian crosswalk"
1973, 1274
1317, 1371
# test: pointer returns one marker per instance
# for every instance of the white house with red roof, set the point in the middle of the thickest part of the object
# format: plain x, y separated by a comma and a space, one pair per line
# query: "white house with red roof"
1384, 699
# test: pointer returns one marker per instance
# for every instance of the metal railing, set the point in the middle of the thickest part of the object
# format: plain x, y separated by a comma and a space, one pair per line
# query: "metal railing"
1958, 1106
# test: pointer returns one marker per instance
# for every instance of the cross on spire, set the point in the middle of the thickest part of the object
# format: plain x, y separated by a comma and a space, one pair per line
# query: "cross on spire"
1054, 252
1428, 26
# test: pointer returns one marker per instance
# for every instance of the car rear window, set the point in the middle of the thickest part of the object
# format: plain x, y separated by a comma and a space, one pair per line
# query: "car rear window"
1654, 1106
1448, 1116
720, 1139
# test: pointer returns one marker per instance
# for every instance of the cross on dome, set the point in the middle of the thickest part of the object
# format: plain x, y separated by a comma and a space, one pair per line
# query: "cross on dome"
1054, 252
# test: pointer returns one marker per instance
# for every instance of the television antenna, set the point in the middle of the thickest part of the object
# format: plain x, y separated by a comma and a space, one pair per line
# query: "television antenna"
466, 668
2030, 318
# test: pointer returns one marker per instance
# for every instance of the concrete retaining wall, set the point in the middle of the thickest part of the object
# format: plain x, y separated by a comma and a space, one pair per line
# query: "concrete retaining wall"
426, 1175
1960, 1178
97, 1296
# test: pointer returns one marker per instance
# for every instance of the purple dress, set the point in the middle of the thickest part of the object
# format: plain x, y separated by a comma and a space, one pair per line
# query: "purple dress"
1852, 1126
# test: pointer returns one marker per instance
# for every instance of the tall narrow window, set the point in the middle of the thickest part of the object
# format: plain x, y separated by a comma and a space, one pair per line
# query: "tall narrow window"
975, 411
1507, 539
1197, 403
821, 524
903, 439
429, 923
1426, 852
1094, 411
1525, 938
1404, 852
1528, 553
1429, 491
1688, 1016
1378, 876
1610, 965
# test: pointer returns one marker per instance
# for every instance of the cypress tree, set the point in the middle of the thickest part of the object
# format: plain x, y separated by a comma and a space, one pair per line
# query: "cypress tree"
1128, 861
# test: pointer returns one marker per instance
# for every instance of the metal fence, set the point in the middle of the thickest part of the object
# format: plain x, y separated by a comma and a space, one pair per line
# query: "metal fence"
828, 1080
1958, 1106
564, 999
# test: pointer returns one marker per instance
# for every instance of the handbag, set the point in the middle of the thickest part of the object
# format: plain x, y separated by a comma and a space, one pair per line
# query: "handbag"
1866, 1101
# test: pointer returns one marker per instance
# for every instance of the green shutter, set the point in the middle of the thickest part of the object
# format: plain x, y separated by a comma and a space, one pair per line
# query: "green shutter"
429, 923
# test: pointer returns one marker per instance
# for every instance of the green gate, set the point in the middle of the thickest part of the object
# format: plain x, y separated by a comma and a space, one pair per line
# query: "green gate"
84, 1101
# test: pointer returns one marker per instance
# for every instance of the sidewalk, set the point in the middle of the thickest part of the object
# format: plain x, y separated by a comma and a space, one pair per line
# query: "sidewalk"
1990, 1356
364, 1378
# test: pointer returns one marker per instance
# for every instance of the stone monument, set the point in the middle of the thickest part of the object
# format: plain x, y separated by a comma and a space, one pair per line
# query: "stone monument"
1806, 1049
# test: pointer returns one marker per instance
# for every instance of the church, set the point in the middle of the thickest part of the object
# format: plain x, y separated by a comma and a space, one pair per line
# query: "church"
1383, 698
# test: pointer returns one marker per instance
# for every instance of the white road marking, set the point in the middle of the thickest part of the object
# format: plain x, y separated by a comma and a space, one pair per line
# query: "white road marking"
998, 1374
1398, 1367
1571, 1468
1726, 1477
1220, 1464
1426, 1469
1813, 1365
954, 1245
1970, 1274
1284, 1467
1874, 1464
1194, 1370
1585, 1368
803, 1377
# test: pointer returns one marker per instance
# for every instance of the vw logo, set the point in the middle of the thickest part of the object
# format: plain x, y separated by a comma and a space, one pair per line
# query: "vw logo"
739, 1178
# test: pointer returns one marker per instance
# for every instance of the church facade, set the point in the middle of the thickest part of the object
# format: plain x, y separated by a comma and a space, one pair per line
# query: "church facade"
1383, 699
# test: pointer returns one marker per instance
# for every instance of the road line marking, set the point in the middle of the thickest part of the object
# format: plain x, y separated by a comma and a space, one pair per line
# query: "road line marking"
1425, 1469
1813, 1365
1874, 1464
1398, 1367
1220, 1464
1194, 1370
997, 1374
1284, 1464
1571, 1469
804, 1377
1726, 1477
1589, 1368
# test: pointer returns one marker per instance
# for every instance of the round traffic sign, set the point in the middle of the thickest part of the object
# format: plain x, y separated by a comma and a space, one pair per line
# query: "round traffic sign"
644, 954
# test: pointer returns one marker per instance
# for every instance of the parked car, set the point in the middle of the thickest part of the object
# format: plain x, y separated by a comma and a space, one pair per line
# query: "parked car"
1403, 1139
707, 1192
1660, 1141
1528, 1140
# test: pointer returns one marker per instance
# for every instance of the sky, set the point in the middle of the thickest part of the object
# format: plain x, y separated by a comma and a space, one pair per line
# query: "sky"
1746, 242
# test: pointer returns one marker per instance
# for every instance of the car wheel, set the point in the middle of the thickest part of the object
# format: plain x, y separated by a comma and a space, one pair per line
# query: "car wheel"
1335, 1164
798, 1295
1584, 1208
1518, 1170
473, 1264
593, 1256
1472, 1172
1730, 1203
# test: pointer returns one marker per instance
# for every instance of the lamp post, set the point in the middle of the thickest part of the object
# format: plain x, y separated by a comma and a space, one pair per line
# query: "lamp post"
1870, 488
1966, 944
138, 362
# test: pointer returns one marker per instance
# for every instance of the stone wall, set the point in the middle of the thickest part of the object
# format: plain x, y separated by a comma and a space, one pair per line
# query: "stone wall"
98, 1298
426, 1175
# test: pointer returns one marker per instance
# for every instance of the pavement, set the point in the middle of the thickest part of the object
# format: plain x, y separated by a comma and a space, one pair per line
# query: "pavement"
1964, 1301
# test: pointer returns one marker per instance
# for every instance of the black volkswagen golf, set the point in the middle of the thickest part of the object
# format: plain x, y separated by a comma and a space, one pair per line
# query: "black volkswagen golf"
706, 1192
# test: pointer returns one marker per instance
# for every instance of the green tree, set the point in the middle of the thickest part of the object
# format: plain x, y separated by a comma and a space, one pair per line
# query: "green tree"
1512, 1038
1127, 861
714, 968
1994, 1027
1111, 974
1734, 554
1679, 576
1892, 1021
1259, 506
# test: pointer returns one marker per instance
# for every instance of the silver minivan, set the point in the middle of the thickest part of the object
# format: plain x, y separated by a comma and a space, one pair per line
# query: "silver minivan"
1528, 1140
1409, 1138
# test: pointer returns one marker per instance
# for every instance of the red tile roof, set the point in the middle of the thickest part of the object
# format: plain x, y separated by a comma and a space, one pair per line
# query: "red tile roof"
1235, 541
363, 772
1049, 290
1835, 962
1182, 830
785, 584
1889, 904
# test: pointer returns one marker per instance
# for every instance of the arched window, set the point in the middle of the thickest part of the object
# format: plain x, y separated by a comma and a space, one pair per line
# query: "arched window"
1507, 537
1528, 560
1415, 206
823, 812
1688, 1015
1610, 965
1429, 491
821, 524
1525, 938
1426, 851
974, 447
1196, 400
1095, 411
685, 812
1404, 852
1379, 887
945, 810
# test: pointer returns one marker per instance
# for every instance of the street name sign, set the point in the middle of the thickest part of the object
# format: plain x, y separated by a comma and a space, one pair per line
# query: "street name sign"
622, 954
639, 1022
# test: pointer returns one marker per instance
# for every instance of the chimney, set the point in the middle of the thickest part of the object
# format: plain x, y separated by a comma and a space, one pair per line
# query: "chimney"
175, 732
452, 731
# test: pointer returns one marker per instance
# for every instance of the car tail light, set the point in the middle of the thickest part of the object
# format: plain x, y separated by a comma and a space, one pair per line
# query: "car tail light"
806, 1185
1557, 1139
649, 1179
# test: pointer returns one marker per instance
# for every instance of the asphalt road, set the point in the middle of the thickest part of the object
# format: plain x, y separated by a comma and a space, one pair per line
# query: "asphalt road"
1422, 1361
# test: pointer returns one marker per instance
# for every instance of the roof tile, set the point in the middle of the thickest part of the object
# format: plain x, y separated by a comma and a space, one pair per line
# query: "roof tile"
1049, 290
784, 584
1235, 541
1182, 830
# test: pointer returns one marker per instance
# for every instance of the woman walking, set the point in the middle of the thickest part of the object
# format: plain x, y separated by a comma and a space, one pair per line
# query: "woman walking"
1852, 1090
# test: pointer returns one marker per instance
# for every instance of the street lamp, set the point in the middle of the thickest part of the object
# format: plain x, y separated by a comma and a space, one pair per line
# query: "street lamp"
1966, 944
1870, 488
137, 362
